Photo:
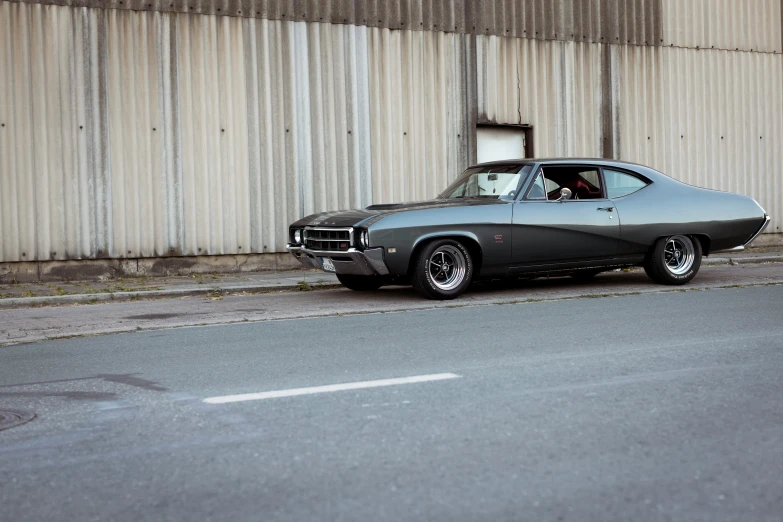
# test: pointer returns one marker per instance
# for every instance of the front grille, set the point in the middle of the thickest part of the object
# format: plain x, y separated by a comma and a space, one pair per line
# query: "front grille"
331, 239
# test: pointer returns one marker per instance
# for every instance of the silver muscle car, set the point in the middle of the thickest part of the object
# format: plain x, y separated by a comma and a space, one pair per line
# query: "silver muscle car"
524, 218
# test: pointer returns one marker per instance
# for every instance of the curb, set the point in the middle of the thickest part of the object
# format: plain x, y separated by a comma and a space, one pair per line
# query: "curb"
755, 260
56, 300
59, 300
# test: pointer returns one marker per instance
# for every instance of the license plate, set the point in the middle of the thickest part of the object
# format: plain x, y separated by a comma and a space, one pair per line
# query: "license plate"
327, 264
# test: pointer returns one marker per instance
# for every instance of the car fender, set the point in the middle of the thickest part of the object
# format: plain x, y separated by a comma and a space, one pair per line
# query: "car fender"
445, 233
450, 234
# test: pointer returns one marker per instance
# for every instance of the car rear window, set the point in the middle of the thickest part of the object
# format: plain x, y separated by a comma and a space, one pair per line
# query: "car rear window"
619, 184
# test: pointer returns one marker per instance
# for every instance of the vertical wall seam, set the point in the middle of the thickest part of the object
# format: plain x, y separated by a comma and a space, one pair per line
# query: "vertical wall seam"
563, 143
472, 98
176, 138
616, 100
104, 243
607, 117
365, 115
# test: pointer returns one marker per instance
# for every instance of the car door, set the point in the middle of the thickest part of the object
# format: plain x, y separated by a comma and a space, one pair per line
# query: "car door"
633, 212
549, 232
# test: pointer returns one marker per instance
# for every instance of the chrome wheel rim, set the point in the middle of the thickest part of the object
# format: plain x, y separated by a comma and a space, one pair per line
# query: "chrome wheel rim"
447, 267
678, 255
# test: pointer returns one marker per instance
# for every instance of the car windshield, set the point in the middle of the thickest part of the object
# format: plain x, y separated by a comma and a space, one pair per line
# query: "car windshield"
498, 181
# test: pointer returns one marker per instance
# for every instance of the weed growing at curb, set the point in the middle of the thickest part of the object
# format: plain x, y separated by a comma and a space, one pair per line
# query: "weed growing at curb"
56, 289
215, 295
304, 286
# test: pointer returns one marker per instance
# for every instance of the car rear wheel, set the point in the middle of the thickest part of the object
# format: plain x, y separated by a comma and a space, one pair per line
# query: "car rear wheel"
360, 283
442, 270
674, 260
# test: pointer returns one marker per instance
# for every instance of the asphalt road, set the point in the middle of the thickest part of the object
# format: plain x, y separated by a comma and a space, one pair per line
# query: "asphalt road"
663, 406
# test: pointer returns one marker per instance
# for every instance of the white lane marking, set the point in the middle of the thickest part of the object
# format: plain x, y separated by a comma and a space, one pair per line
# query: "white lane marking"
329, 388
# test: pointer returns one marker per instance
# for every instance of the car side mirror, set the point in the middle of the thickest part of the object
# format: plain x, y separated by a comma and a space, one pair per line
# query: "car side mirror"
565, 194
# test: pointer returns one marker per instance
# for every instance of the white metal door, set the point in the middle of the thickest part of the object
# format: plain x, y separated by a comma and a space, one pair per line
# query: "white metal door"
500, 143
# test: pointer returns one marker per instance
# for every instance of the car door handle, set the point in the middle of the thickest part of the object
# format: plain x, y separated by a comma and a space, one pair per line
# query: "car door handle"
606, 209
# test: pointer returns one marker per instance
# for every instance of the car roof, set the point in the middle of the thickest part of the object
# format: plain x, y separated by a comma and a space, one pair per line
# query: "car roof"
562, 161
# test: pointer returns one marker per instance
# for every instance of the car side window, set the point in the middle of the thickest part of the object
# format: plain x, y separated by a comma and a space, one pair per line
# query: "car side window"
619, 184
584, 182
537, 191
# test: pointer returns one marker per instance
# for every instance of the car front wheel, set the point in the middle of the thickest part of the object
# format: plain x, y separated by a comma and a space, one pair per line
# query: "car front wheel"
442, 270
674, 260
360, 283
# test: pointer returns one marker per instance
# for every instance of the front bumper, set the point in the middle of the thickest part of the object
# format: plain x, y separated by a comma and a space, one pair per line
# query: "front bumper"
367, 262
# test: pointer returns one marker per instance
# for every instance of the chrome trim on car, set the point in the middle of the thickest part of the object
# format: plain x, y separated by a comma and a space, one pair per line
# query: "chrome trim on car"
735, 249
679, 255
352, 261
760, 230
308, 231
450, 272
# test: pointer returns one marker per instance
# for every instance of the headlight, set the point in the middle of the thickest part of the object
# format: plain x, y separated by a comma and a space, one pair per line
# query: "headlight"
298, 236
364, 239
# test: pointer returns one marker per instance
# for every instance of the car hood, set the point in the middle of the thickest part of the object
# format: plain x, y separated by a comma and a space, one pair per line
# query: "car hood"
373, 213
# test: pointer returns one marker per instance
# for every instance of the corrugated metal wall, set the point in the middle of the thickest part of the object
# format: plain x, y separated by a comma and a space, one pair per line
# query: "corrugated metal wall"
603, 21
145, 134
419, 89
553, 86
128, 134
637, 22
742, 25
707, 117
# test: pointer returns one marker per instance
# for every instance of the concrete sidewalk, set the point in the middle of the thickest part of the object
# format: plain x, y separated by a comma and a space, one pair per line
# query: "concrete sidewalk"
216, 286
210, 285
25, 325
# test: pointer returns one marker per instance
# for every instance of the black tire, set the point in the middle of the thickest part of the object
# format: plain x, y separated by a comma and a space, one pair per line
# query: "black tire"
674, 260
360, 283
433, 282
585, 275
648, 269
